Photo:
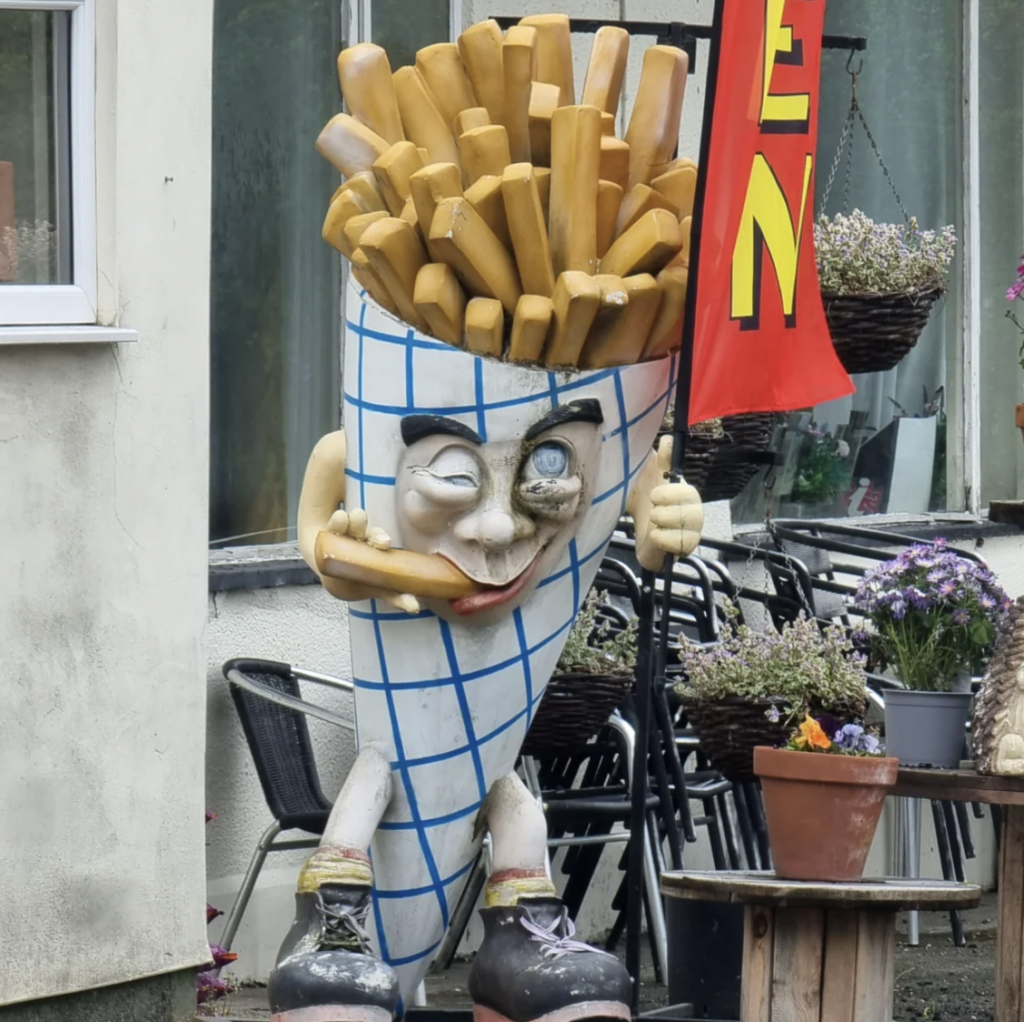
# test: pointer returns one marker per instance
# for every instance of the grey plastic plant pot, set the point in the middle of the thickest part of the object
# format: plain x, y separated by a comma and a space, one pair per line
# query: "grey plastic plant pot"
926, 729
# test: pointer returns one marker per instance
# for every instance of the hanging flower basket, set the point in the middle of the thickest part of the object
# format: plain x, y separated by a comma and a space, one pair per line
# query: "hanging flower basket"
874, 332
574, 708
730, 471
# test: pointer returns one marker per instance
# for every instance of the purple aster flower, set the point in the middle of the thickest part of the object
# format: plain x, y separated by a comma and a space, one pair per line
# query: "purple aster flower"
898, 607
987, 602
947, 590
960, 616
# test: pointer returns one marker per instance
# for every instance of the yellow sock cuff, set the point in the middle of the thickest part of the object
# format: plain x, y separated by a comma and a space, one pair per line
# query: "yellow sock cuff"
504, 889
335, 866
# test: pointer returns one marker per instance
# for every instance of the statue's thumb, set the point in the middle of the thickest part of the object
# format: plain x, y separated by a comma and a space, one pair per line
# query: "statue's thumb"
665, 455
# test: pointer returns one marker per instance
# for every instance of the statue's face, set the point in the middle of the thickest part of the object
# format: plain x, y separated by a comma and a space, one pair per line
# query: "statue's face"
501, 511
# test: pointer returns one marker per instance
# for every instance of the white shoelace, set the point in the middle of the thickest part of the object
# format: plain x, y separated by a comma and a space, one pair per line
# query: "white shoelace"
557, 945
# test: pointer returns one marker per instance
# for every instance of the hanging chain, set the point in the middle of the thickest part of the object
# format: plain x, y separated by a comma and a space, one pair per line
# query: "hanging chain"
846, 145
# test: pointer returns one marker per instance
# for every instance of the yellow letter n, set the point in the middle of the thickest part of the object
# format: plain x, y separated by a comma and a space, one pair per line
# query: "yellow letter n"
767, 223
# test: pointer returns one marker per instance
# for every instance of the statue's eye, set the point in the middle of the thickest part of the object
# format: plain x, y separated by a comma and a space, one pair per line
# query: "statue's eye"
549, 460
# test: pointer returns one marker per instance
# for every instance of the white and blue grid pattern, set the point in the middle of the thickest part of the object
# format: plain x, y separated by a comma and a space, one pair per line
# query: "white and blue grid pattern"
451, 703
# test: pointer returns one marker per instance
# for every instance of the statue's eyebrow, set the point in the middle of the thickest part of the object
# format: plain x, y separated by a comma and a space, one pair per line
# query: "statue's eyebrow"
584, 410
416, 427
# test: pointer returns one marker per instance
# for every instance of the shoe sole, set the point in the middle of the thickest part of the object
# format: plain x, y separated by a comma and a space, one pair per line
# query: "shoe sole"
572, 1013
334, 1013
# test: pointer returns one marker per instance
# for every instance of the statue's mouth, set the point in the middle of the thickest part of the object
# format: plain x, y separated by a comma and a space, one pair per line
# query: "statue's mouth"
495, 596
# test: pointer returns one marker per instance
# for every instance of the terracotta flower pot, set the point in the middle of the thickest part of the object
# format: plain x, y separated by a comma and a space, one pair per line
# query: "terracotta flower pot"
822, 810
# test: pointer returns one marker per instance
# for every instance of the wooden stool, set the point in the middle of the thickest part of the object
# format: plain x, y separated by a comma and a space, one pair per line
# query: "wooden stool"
818, 952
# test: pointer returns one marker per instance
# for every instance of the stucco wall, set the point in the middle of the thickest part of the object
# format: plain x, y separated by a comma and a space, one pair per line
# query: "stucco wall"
103, 480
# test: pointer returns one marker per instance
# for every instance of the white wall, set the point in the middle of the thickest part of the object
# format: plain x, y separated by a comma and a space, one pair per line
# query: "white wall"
103, 575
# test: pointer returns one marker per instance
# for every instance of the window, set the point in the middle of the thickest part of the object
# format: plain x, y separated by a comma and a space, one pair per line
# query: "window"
47, 189
906, 440
276, 286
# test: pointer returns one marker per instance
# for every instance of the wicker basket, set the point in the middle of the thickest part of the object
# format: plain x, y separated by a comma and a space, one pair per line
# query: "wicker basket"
726, 479
574, 708
873, 332
730, 728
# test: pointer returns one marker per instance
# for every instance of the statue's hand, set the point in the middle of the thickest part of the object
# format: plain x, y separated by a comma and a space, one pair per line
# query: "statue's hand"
353, 523
669, 516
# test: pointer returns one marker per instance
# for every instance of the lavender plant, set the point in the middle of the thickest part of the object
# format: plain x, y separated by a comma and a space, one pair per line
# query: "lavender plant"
934, 613
804, 668
858, 256
1015, 292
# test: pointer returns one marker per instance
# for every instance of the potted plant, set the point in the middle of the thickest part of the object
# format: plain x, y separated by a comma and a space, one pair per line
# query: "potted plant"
822, 473
934, 615
878, 283
1015, 293
739, 693
823, 797
594, 673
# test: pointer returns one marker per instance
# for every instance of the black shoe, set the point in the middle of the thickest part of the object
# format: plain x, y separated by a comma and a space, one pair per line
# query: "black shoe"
529, 968
326, 970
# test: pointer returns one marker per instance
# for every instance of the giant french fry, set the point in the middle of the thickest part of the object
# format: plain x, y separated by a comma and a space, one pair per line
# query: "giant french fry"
667, 330
341, 210
486, 197
607, 67
356, 226
446, 78
526, 223
575, 302
610, 310
647, 247
519, 58
530, 327
396, 254
621, 341
440, 300
480, 48
575, 157
350, 145
653, 131
421, 118
543, 177
470, 118
554, 52
639, 200
367, 277
460, 237
544, 100
393, 171
614, 161
485, 326
365, 76
429, 186
679, 185
484, 151
609, 199
366, 189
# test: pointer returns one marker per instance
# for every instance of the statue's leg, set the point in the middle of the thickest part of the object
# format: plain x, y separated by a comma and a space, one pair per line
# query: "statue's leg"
529, 967
326, 969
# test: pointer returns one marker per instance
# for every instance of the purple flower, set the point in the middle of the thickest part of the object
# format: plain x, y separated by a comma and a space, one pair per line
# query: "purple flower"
960, 616
772, 713
848, 737
898, 607
870, 744
1015, 291
987, 602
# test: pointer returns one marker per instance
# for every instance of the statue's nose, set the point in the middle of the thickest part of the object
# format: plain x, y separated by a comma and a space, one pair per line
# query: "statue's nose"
493, 529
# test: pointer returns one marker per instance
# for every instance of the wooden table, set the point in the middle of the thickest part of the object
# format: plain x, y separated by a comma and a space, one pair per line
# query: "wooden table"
1008, 792
818, 952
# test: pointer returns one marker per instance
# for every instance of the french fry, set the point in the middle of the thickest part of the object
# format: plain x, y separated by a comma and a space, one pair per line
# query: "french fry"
485, 196
365, 76
614, 165
350, 145
409, 216
607, 68
440, 300
575, 303
356, 227
519, 58
653, 131
575, 156
622, 342
554, 52
421, 118
484, 151
545, 99
446, 78
609, 199
530, 327
543, 176
480, 48
678, 185
473, 117
396, 254
346, 206
365, 187
641, 199
428, 186
525, 219
484, 266
667, 330
393, 171
647, 247
607, 125
367, 277
485, 326
610, 311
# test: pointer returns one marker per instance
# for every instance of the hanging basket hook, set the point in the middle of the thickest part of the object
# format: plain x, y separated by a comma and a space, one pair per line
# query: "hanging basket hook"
851, 70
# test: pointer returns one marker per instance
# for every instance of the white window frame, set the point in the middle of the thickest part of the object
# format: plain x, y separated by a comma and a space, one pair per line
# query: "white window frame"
68, 304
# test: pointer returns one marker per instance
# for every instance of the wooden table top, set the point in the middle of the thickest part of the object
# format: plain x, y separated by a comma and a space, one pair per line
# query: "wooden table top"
959, 786
764, 888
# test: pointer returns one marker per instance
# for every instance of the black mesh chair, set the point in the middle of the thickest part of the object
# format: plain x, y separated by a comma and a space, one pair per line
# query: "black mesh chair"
273, 714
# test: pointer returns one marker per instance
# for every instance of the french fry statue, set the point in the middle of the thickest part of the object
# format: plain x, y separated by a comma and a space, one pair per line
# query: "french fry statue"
491, 444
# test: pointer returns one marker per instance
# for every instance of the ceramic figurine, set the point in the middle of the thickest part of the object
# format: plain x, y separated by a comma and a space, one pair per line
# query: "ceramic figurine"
998, 728
478, 499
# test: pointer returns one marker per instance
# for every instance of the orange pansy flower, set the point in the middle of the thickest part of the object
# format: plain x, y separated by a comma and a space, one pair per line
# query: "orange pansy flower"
812, 736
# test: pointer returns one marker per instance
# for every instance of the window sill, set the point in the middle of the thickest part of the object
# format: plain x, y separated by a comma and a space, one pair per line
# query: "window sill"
10, 335
258, 567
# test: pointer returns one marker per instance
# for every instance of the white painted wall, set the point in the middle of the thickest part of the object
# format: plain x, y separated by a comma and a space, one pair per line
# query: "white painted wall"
103, 565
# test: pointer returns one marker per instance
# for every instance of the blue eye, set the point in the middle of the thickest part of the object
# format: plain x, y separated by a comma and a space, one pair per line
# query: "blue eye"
549, 460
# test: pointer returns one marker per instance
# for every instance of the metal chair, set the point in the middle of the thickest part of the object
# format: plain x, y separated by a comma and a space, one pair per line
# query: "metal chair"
273, 714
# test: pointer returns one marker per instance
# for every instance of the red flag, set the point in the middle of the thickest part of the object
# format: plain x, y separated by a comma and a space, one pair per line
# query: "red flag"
760, 338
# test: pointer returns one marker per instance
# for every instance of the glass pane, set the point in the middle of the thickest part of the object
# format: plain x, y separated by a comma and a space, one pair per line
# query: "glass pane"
275, 291
1001, 73
34, 154
403, 28
883, 449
